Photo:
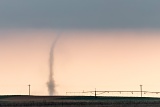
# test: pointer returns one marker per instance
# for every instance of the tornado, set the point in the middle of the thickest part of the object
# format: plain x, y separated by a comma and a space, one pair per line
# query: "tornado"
51, 81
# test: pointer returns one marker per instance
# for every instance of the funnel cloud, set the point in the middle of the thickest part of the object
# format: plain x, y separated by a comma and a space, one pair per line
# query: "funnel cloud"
51, 81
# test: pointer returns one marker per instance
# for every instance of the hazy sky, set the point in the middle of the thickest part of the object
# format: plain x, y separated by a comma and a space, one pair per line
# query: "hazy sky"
104, 44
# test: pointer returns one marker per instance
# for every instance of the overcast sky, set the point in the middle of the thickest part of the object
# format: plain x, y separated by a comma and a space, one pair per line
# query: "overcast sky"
80, 14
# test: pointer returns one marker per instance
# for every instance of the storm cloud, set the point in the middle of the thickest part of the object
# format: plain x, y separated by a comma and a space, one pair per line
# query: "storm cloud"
80, 14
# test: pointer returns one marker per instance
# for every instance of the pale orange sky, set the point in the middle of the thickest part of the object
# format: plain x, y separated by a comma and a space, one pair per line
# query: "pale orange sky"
84, 60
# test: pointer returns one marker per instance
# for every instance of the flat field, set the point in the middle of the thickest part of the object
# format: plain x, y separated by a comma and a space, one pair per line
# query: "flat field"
77, 101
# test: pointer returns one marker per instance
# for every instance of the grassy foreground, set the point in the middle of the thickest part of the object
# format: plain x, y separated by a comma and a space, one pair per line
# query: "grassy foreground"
77, 101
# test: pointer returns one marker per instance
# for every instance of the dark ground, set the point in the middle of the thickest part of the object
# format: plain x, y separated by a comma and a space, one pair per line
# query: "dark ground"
77, 101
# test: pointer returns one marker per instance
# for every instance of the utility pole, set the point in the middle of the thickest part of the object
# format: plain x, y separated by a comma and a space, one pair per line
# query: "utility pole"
29, 89
141, 89
95, 93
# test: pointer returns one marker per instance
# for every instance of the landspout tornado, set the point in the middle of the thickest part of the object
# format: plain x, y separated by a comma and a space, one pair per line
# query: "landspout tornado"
51, 82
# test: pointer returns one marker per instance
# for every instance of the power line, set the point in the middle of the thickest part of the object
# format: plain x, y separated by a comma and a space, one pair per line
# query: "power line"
95, 93
29, 89
141, 90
